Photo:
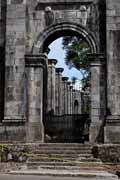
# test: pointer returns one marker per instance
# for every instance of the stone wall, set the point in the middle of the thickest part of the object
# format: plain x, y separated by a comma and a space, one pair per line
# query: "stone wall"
30, 26
107, 153
84, 13
14, 63
15, 132
112, 129
2, 54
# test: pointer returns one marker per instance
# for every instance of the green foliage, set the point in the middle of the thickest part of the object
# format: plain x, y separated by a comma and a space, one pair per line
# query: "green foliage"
76, 56
76, 52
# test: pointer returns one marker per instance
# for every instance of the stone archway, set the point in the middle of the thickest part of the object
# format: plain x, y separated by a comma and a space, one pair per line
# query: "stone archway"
30, 31
57, 30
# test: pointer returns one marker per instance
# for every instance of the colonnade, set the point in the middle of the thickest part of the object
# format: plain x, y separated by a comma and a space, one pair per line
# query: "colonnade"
61, 94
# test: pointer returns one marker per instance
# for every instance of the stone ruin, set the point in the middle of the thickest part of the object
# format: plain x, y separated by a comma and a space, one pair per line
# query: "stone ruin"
27, 27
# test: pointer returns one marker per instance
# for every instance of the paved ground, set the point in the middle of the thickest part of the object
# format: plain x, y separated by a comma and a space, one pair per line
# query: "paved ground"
22, 177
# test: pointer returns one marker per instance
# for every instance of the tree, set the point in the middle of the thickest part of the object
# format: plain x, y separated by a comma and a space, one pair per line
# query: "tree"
76, 56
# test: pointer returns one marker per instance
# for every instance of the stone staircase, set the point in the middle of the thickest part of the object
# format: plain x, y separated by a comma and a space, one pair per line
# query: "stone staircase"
55, 156
63, 160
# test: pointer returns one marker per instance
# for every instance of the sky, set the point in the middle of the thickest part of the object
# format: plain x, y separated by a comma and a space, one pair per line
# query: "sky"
56, 52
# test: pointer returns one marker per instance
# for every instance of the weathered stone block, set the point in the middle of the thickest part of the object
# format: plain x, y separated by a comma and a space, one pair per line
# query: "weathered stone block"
112, 134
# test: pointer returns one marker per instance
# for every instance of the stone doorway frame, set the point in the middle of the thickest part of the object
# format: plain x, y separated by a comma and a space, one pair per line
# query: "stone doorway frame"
55, 31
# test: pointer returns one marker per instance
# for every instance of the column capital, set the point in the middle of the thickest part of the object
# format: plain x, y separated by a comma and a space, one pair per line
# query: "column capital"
59, 70
96, 59
96, 55
113, 119
71, 87
65, 79
52, 61
68, 83
35, 60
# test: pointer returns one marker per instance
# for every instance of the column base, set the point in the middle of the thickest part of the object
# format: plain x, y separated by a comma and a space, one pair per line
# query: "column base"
12, 129
34, 132
96, 132
112, 130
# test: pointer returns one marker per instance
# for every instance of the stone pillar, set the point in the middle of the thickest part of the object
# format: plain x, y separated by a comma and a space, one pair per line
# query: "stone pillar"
73, 99
34, 72
65, 97
59, 97
96, 132
2, 55
69, 97
51, 85
112, 127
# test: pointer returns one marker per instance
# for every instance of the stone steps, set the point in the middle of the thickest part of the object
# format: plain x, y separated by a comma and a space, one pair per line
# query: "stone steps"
61, 157
59, 148
71, 167
64, 152
63, 164
52, 152
60, 145
62, 160
68, 173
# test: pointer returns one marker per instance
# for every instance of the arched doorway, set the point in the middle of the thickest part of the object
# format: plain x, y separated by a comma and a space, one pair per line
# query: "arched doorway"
58, 30
62, 29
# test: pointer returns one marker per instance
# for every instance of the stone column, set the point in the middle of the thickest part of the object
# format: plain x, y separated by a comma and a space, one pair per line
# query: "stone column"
73, 99
112, 128
59, 97
96, 132
69, 97
65, 102
34, 72
51, 85
63, 99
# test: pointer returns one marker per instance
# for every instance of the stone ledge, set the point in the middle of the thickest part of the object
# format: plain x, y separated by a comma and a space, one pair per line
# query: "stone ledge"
64, 173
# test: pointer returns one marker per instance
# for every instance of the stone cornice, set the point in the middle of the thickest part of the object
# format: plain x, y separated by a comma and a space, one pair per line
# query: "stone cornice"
113, 119
41, 4
52, 61
35, 60
46, 2
96, 59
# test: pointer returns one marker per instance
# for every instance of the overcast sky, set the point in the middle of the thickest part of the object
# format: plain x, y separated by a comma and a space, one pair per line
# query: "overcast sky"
58, 53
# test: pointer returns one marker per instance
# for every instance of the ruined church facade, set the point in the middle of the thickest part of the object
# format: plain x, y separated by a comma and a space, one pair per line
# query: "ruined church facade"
27, 27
